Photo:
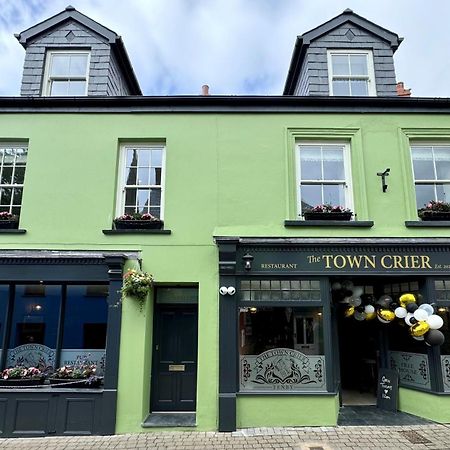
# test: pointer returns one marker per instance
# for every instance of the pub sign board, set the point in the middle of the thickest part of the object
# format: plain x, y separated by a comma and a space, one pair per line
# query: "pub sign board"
341, 261
387, 390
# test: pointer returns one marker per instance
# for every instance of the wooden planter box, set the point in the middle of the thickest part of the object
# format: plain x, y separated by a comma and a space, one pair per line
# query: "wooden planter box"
9, 224
21, 382
75, 383
313, 215
435, 215
138, 224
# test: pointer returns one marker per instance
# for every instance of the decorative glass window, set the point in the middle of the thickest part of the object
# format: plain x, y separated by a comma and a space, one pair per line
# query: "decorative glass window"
142, 180
281, 348
280, 290
66, 73
442, 289
323, 175
12, 172
351, 73
431, 167
51, 323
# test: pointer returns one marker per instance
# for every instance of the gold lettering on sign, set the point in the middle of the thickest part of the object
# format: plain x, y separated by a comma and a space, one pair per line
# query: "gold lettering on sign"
279, 266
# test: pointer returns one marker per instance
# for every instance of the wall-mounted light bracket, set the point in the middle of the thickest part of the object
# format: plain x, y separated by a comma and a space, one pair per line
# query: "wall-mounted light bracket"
248, 261
383, 176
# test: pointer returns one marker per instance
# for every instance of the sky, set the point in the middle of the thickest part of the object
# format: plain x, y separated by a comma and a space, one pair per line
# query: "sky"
237, 47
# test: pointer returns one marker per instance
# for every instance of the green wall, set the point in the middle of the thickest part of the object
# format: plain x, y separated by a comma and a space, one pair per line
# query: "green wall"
226, 174
431, 406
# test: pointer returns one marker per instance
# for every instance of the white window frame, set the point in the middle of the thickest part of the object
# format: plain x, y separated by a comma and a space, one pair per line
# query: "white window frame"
11, 185
120, 200
46, 87
370, 77
434, 181
347, 182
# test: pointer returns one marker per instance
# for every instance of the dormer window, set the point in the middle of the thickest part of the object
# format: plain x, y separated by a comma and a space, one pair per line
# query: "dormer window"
66, 73
351, 73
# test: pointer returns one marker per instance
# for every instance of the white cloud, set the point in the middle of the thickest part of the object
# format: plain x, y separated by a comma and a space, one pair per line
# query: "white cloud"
235, 46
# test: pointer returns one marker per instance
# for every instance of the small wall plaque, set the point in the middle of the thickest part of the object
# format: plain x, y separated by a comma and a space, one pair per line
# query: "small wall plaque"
176, 367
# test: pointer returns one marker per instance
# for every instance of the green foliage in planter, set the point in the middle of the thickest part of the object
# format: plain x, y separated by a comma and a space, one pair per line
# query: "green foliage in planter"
137, 284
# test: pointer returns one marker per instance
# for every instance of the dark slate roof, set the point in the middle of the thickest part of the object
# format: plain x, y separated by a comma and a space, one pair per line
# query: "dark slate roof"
303, 41
70, 13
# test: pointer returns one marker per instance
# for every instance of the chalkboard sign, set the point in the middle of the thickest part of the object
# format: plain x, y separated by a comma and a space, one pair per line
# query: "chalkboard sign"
387, 392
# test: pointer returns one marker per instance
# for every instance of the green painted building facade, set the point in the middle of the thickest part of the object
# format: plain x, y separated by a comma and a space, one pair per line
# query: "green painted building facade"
230, 193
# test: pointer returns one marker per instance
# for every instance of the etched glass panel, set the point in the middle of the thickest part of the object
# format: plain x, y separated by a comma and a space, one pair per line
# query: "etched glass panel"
413, 369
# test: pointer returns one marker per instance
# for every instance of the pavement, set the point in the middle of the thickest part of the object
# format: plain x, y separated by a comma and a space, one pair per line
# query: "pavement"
430, 436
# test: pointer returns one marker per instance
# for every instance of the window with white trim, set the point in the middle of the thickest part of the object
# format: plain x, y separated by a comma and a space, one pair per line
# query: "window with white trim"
351, 73
431, 168
323, 175
13, 159
66, 73
142, 180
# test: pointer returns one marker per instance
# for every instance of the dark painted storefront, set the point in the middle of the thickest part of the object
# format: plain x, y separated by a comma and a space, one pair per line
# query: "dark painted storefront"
282, 331
58, 307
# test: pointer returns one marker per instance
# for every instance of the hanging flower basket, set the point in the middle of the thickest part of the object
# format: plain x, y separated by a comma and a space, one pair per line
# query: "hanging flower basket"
435, 211
8, 221
328, 212
137, 285
76, 376
138, 221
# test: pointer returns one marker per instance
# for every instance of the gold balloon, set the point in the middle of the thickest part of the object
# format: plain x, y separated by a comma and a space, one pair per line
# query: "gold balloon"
371, 316
386, 315
406, 298
349, 311
419, 329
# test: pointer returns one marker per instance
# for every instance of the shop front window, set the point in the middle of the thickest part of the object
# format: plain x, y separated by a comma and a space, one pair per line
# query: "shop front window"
281, 348
55, 325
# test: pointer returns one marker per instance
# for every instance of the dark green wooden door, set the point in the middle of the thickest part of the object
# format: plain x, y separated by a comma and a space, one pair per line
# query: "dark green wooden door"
174, 379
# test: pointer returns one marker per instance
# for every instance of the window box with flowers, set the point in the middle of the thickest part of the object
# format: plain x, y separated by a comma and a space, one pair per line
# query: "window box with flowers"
22, 376
435, 210
138, 221
328, 212
8, 221
76, 376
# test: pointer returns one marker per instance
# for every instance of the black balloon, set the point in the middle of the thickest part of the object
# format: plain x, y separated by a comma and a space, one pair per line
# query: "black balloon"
413, 320
434, 337
393, 306
411, 307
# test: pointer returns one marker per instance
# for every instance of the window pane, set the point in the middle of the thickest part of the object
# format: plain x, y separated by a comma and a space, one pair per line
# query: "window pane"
424, 193
5, 194
7, 174
4, 298
340, 64
85, 318
59, 88
333, 194
19, 174
310, 163
78, 65
311, 195
155, 197
21, 155
130, 176
442, 160
157, 158
59, 65
143, 200
144, 158
155, 176
443, 192
77, 88
130, 197
132, 157
34, 326
359, 88
17, 196
423, 163
358, 64
341, 87
143, 176
333, 163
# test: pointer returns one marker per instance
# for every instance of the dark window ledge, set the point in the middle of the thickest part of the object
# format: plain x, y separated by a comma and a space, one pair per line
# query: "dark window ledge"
427, 223
12, 231
329, 223
143, 231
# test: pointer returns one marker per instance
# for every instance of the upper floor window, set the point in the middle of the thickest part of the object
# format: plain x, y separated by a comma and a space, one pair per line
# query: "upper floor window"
142, 180
323, 175
12, 173
351, 72
66, 73
431, 167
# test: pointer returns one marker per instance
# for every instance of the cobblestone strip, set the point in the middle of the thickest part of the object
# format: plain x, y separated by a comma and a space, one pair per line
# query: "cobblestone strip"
304, 438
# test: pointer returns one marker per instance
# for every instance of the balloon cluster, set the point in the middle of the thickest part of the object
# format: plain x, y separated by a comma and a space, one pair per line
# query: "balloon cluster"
423, 323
